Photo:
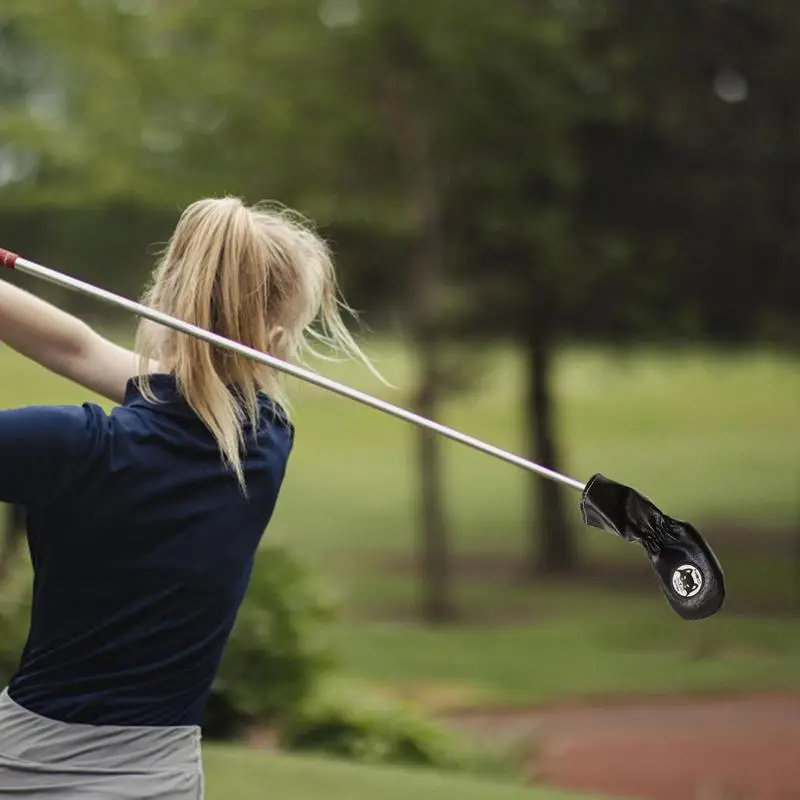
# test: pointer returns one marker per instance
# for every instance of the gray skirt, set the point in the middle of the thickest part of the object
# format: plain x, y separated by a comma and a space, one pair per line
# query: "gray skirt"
42, 759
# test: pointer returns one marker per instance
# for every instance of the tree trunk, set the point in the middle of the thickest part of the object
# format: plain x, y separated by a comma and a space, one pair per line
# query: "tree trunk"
426, 314
552, 548
434, 552
414, 144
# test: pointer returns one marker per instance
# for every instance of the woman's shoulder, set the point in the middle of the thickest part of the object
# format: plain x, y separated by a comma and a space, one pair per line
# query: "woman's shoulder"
273, 413
56, 421
42, 446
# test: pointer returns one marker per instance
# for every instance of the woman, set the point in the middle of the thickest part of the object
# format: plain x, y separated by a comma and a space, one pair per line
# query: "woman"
143, 523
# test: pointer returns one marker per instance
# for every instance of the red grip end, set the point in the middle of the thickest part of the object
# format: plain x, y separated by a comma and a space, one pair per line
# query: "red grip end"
7, 258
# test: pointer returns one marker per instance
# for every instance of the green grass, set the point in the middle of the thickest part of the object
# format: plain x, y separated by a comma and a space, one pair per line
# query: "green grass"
708, 438
711, 438
236, 773
581, 646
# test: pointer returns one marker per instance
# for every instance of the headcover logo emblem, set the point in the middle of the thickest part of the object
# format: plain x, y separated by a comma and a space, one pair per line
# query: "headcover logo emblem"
687, 580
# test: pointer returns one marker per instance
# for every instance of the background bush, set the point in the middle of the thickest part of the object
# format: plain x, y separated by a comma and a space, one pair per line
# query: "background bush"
279, 648
348, 720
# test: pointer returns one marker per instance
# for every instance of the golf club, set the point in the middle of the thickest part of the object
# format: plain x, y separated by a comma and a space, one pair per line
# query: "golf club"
685, 566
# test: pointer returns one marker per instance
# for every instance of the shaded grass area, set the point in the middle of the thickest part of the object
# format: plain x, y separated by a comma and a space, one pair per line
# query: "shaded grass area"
575, 645
238, 773
493, 586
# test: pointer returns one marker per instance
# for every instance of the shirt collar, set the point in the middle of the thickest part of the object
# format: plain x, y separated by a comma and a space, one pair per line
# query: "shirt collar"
164, 387
170, 400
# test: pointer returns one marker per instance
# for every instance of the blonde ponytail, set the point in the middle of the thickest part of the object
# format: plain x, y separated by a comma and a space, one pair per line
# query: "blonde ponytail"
258, 275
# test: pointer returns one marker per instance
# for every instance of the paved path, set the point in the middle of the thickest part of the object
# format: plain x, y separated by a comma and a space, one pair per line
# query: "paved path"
747, 748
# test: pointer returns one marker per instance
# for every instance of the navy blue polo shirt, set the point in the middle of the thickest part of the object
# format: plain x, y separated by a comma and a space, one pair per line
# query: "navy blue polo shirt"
142, 545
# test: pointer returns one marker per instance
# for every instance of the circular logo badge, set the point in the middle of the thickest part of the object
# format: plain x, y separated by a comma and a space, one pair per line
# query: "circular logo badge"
687, 580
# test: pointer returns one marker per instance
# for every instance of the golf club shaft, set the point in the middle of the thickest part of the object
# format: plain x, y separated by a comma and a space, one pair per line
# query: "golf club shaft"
13, 261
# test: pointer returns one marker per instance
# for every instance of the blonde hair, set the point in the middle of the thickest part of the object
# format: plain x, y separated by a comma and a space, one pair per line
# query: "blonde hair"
258, 275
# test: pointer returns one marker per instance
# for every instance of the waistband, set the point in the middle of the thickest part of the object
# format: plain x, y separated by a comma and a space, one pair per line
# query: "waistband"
30, 737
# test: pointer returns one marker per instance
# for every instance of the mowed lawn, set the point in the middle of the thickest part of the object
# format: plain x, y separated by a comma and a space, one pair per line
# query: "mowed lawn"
235, 773
711, 438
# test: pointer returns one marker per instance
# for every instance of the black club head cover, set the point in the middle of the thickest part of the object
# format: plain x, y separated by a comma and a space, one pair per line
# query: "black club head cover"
686, 567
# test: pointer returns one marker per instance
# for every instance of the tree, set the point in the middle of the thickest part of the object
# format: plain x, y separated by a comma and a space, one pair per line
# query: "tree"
470, 85
695, 164
514, 174
666, 206
395, 86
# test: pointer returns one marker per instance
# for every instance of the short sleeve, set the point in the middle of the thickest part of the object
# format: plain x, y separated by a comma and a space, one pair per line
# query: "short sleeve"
42, 447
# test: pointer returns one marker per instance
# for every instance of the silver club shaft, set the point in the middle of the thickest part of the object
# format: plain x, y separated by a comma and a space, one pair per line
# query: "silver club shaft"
50, 275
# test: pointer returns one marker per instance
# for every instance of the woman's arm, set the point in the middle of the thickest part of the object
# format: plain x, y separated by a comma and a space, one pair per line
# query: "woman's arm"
63, 344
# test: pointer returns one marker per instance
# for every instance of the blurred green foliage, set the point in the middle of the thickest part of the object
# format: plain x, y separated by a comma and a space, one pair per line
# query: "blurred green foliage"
279, 649
599, 169
351, 720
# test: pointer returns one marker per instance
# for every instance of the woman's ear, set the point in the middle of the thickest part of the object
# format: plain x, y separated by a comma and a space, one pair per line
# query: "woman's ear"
276, 339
